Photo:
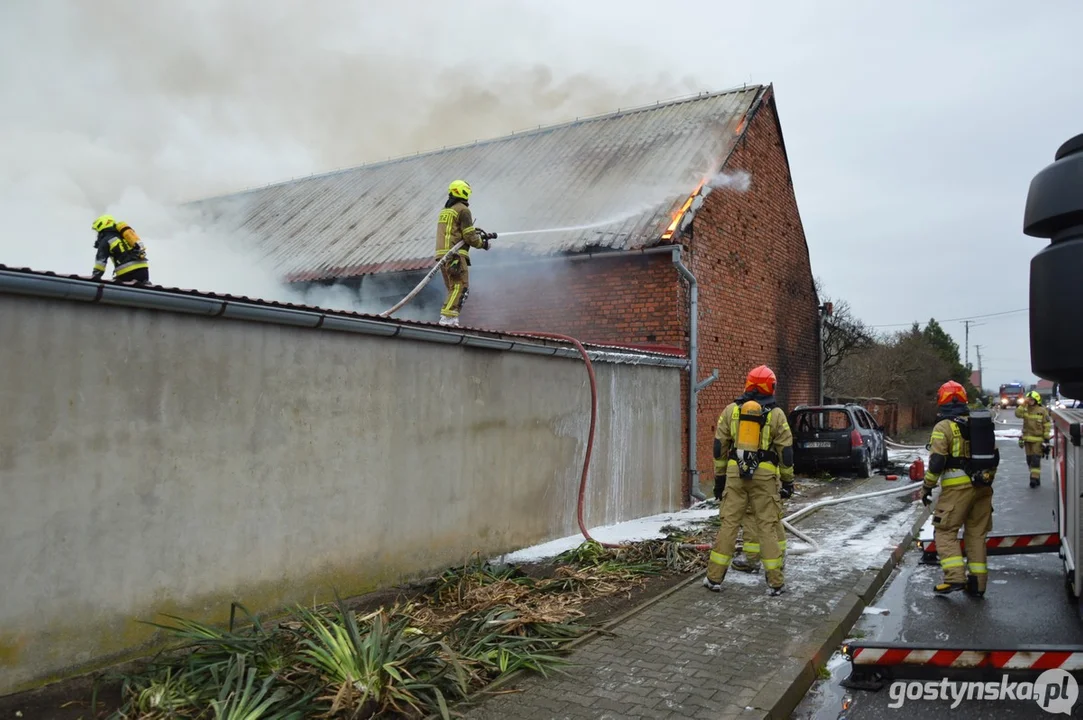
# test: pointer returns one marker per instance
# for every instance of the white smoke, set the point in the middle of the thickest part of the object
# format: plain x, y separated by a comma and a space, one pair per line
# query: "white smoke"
738, 180
129, 108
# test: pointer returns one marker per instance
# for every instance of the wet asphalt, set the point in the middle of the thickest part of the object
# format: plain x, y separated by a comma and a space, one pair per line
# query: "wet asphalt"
1026, 603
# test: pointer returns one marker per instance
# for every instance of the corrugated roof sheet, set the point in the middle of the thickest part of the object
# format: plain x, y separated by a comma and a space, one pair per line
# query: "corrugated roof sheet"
613, 181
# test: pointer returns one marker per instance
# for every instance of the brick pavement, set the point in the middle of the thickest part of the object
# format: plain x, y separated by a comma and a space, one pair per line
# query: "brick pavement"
697, 654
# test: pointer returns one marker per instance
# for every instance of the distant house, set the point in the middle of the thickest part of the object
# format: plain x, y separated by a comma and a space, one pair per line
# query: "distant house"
623, 197
975, 378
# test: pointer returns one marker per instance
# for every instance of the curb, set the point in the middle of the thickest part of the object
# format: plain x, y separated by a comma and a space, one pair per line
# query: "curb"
781, 696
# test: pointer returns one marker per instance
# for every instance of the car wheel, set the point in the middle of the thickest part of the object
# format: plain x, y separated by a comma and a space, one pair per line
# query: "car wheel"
864, 470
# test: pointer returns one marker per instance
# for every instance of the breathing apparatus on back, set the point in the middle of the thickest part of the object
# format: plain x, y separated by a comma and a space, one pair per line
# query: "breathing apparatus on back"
749, 431
753, 410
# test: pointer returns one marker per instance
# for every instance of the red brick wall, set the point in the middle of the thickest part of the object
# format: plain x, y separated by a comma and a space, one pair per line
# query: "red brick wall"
757, 303
631, 300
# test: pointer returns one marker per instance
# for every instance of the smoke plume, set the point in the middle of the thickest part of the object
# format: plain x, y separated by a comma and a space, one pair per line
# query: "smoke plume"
131, 107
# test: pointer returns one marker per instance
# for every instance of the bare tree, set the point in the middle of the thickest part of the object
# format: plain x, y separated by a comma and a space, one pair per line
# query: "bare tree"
844, 335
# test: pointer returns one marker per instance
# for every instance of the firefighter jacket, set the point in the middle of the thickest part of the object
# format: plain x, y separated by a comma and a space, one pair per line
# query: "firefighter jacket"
776, 442
456, 223
120, 243
948, 450
1037, 425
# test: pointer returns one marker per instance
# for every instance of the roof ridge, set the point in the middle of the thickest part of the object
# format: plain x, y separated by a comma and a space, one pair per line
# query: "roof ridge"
619, 112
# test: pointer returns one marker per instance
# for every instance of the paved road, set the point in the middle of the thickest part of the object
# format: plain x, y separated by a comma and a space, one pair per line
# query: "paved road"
1026, 602
698, 654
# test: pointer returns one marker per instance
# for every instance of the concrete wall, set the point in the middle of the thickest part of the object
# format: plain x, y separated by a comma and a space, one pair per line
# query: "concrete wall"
157, 462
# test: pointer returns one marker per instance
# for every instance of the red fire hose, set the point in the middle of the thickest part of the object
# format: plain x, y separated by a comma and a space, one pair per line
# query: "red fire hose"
590, 434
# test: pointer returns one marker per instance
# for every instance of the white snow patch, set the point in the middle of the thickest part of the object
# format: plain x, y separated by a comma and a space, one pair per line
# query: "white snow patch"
1015, 432
836, 661
926, 532
1000, 582
876, 611
647, 528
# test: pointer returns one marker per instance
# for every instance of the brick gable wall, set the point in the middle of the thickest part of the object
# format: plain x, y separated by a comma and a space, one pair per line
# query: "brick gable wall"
756, 297
757, 303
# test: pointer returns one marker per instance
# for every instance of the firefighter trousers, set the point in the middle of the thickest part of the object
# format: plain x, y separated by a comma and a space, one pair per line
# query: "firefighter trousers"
760, 492
457, 281
1033, 451
970, 508
752, 538
139, 276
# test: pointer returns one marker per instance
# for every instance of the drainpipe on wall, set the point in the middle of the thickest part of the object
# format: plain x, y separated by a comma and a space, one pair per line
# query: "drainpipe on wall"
825, 310
693, 371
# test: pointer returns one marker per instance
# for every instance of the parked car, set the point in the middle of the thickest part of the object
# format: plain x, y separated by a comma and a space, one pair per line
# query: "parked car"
837, 436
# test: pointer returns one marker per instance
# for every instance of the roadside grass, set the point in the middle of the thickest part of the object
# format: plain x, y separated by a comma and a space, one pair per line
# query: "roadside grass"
472, 625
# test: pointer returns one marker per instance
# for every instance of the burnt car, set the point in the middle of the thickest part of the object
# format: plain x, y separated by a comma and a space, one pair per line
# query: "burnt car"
837, 437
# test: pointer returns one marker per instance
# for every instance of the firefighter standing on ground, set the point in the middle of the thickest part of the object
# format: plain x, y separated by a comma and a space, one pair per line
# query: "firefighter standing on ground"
1037, 429
750, 536
966, 501
117, 240
753, 448
457, 223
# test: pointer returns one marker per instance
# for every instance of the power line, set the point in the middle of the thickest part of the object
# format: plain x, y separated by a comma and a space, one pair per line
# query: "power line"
958, 319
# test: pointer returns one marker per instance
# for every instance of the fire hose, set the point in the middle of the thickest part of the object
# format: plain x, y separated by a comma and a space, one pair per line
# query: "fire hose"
580, 502
900, 446
432, 273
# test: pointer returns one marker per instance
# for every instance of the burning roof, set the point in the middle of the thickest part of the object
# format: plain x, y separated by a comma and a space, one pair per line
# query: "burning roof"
619, 181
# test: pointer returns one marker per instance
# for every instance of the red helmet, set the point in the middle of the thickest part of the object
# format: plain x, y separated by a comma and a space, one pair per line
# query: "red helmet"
761, 378
950, 392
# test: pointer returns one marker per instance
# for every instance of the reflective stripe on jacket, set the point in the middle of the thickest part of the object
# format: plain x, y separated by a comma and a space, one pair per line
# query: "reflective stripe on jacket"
954, 449
124, 247
456, 223
775, 437
1037, 425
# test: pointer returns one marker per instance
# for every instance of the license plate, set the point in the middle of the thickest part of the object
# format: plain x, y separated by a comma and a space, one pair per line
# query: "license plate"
818, 444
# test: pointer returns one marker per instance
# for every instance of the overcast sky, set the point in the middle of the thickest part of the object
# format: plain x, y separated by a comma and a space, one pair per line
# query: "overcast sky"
913, 129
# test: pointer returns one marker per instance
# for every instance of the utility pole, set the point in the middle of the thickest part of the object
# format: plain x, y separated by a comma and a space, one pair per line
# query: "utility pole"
977, 349
967, 345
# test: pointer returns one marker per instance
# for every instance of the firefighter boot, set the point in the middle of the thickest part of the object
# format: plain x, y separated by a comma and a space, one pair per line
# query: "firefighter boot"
711, 585
946, 588
745, 565
972, 587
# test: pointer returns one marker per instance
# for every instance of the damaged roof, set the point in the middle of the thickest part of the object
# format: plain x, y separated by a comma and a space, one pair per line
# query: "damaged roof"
615, 182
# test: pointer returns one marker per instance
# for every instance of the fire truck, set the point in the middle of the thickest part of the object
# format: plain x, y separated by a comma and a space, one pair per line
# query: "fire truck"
1054, 210
1012, 394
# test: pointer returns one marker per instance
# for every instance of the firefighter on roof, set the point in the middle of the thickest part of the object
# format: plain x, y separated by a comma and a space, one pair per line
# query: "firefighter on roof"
753, 450
118, 241
1037, 429
456, 224
966, 494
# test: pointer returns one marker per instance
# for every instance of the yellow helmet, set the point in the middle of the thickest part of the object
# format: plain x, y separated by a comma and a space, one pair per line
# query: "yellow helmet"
459, 189
103, 222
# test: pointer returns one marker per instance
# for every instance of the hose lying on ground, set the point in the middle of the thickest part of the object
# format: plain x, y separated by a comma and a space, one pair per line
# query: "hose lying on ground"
900, 446
786, 521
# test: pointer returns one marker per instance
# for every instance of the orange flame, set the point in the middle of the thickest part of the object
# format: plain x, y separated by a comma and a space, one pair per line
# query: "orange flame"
680, 213
740, 127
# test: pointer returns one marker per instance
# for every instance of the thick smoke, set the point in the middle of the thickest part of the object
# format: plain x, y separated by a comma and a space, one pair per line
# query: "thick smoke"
130, 107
